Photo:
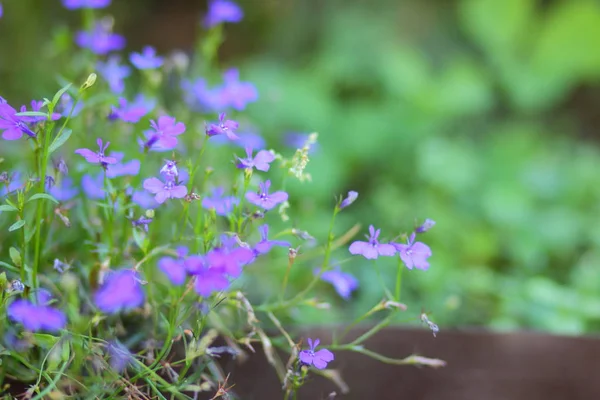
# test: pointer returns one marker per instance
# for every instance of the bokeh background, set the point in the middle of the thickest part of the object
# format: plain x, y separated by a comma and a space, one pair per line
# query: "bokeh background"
480, 114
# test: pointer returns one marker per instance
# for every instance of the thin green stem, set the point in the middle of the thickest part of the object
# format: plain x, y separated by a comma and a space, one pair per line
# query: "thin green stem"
398, 280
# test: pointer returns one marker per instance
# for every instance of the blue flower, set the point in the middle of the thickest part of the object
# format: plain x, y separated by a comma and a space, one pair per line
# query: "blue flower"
100, 40
120, 292
343, 282
75, 4
220, 11
114, 73
265, 245
64, 190
222, 205
147, 59
36, 317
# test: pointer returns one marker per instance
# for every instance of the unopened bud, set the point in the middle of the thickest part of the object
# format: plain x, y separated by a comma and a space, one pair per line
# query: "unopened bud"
89, 82
149, 213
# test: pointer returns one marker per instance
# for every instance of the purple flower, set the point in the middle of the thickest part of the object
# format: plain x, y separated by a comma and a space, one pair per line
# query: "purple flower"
143, 222
265, 245
121, 291
298, 141
414, 254
427, 225
147, 59
174, 269
260, 161
209, 279
199, 97
230, 260
97, 157
66, 104
75, 4
120, 356
164, 191
15, 182
100, 40
65, 190
343, 282
144, 199
37, 106
352, 196
165, 133
223, 127
13, 126
36, 317
93, 187
1, 10
222, 205
237, 94
372, 249
220, 11
132, 112
169, 170
245, 140
131, 168
264, 199
319, 359
114, 73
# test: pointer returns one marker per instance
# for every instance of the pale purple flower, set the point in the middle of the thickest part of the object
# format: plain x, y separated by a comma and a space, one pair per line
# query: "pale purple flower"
93, 186
114, 73
245, 140
223, 127
1, 10
165, 132
132, 112
120, 356
66, 104
13, 126
15, 182
220, 11
97, 157
131, 168
75, 4
318, 359
201, 98
237, 93
100, 40
222, 205
427, 225
298, 141
65, 190
343, 282
120, 292
36, 317
147, 59
174, 269
260, 161
209, 279
264, 199
265, 245
164, 190
143, 222
372, 249
414, 254
169, 170
352, 196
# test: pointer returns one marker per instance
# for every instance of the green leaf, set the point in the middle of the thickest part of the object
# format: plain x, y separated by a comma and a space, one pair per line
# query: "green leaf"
58, 95
39, 196
45, 340
8, 208
3, 281
15, 256
59, 140
17, 225
9, 267
32, 114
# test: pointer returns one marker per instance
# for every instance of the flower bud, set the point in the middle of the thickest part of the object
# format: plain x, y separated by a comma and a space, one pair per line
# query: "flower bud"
89, 82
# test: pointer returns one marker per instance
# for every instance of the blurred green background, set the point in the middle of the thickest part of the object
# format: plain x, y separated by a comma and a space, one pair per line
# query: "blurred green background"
479, 114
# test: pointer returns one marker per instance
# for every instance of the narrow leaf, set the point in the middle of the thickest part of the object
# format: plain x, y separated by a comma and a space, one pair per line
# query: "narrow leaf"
7, 208
17, 225
32, 114
42, 196
59, 140
59, 94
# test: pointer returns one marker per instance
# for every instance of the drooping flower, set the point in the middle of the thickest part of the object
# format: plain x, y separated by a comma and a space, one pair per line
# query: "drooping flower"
427, 225
97, 157
164, 190
13, 126
264, 199
114, 73
120, 356
209, 279
260, 161
121, 291
164, 133
352, 196
147, 59
265, 245
372, 249
174, 268
414, 254
237, 94
100, 40
220, 11
93, 186
223, 127
222, 205
343, 282
65, 190
36, 317
75, 4
318, 359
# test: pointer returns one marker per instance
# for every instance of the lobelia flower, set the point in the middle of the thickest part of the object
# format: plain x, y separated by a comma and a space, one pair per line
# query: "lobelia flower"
220, 11
229, 260
147, 59
264, 199
265, 245
120, 356
13, 126
209, 279
245, 140
169, 170
222, 205
164, 190
223, 127
131, 168
144, 199
37, 106
121, 291
1, 10
174, 268
427, 225
372, 249
66, 104
318, 359
343, 282
201, 98
93, 186
64, 190
260, 161
97, 157
237, 94
36, 317
143, 222
114, 73
75, 4
165, 132
299, 140
352, 196
414, 254
132, 112
100, 40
